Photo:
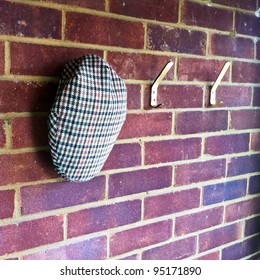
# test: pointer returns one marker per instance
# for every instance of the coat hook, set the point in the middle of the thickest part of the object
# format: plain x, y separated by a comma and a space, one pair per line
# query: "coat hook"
156, 84
216, 84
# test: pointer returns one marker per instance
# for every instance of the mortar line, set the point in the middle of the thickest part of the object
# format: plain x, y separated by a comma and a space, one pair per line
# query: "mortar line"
63, 24
7, 58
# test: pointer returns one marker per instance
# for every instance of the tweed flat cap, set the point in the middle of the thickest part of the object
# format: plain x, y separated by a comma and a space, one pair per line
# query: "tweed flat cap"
86, 117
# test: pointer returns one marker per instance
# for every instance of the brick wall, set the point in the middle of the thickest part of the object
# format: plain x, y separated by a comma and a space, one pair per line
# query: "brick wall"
182, 181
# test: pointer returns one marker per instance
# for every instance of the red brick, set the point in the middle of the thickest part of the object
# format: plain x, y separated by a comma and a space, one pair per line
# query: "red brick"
210, 256
194, 69
176, 96
227, 144
104, 31
26, 96
258, 50
92, 249
139, 66
242, 4
91, 4
255, 141
2, 58
25, 58
217, 237
198, 221
26, 167
234, 46
232, 96
200, 171
133, 97
252, 226
139, 181
124, 155
207, 16
166, 204
149, 124
177, 250
52, 196
166, 38
30, 132
140, 237
245, 119
31, 234
157, 10
172, 150
6, 204
245, 72
247, 24
29, 21
104, 217
256, 99
242, 209
197, 122
243, 165
2, 134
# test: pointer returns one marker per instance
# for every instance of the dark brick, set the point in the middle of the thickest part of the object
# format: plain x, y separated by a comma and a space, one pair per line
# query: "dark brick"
92, 249
200, 171
139, 66
255, 141
198, 221
195, 69
156, 10
172, 150
140, 237
245, 119
254, 184
234, 46
124, 155
252, 226
104, 31
227, 144
30, 132
243, 165
2, 134
224, 191
26, 96
29, 21
45, 197
258, 50
197, 122
166, 204
6, 204
245, 72
144, 180
173, 39
256, 99
30, 234
25, 58
103, 217
242, 249
247, 24
241, 4
150, 124
205, 16
90, 4
133, 97
2, 58
177, 250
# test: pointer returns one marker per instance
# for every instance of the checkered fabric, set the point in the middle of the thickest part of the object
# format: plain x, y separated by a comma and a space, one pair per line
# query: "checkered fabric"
86, 117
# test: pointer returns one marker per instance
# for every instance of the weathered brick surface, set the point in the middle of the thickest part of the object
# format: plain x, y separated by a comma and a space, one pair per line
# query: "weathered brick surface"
92, 249
254, 184
52, 196
2, 134
210, 256
173, 251
104, 31
255, 141
144, 180
91, 4
103, 217
166, 204
200, 171
248, 5
245, 72
133, 97
245, 119
198, 221
6, 204
29, 21
256, 98
30, 234
2, 61
140, 237
247, 24
252, 226
156, 10
203, 15
166, 38
258, 50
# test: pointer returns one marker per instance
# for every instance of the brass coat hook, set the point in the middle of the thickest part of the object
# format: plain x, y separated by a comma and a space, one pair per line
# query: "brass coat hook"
156, 84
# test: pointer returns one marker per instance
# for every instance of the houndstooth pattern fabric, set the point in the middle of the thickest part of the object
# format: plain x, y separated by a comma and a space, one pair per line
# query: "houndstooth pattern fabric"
86, 117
